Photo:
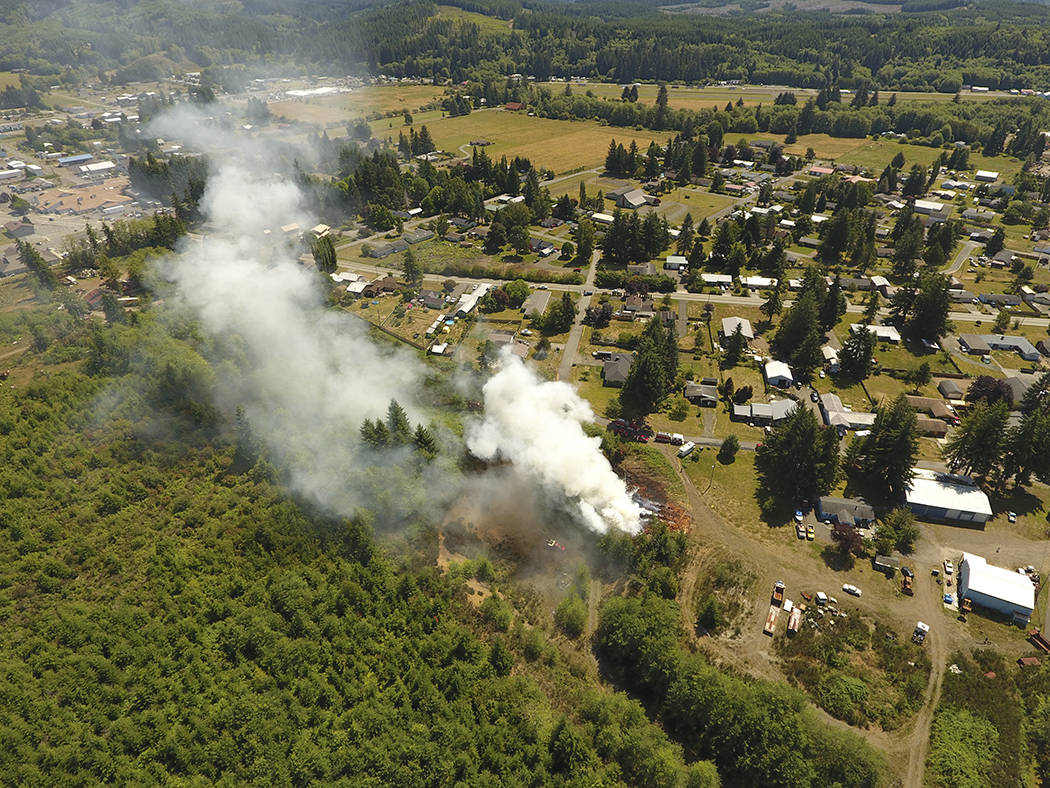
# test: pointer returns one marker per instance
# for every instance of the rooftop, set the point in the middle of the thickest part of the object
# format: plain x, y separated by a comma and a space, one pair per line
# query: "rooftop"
997, 582
944, 491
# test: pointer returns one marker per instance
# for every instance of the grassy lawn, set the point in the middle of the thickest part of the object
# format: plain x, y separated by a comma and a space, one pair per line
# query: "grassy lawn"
679, 96
824, 146
593, 181
616, 329
676, 204
588, 382
876, 154
559, 145
729, 489
724, 427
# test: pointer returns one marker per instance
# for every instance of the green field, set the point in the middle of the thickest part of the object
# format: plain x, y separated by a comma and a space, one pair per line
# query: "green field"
692, 97
701, 204
559, 145
486, 24
358, 104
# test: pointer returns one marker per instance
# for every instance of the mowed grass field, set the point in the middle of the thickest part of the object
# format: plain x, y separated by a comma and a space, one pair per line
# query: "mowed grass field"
560, 145
358, 104
686, 97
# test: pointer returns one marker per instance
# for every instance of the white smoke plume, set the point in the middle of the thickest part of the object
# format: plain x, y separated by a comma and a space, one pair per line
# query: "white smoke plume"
537, 425
306, 377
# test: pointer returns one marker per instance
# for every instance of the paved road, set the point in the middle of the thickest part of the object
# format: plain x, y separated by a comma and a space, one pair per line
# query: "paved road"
965, 252
572, 344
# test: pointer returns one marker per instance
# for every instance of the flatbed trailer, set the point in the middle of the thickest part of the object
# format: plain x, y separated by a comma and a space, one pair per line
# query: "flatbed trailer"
794, 621
771, 620
1036, 638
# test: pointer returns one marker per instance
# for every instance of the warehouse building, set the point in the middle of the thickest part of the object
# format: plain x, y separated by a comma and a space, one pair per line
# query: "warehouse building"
948, 498
996, 588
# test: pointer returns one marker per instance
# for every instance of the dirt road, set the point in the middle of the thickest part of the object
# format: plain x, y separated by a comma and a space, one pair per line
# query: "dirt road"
916, 745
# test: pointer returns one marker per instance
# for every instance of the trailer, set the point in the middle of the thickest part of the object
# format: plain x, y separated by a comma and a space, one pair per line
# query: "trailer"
920, 633
686, 450
778, 593
906, 586
1035, 637
771, 620
794, 621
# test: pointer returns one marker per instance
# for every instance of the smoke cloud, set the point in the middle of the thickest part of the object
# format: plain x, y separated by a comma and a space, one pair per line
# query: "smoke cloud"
307, 376
537, 425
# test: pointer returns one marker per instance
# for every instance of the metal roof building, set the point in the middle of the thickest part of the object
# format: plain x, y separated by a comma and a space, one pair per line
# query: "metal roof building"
79, 158
996, 588
942, 496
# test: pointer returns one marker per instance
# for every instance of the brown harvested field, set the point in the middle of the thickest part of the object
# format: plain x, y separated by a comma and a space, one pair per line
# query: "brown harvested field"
358, 104
559, 145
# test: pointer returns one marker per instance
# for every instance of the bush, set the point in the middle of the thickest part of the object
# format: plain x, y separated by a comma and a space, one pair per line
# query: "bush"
571, 616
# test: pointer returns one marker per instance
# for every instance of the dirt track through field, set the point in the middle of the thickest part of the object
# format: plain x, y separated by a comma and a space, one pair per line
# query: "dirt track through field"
916, 745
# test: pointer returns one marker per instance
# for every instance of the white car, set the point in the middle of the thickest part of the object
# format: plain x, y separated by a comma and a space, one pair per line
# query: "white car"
851, 589
948, 567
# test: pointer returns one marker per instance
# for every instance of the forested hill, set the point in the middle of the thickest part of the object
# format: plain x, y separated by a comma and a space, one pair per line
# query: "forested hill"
1000, 45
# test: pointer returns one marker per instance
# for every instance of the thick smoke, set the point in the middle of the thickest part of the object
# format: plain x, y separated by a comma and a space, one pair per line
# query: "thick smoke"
306, 376
537, 425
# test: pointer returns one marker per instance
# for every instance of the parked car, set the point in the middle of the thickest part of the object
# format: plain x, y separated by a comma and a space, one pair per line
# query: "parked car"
1011, 516
907, 572
948, 567
814, 396
849, 588
811, 533
798, 515
800, 530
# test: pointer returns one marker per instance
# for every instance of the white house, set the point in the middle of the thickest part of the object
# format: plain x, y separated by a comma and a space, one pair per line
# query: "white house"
779, 374
882, 333
729, 325
758, 282
928, 206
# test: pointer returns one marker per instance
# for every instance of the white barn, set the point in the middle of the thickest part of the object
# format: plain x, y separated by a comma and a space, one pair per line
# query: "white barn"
996, 588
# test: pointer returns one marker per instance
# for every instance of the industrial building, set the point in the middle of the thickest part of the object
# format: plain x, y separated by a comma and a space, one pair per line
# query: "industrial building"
948, 498
996, 588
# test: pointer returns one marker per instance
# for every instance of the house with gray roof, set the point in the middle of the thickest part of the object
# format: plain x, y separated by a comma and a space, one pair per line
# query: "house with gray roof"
847, 511
975, 344
1019, 345
616, 368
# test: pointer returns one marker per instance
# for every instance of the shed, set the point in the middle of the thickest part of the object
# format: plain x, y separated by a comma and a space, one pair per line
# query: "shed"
887, 563
933, 428
950, 389
779, 374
